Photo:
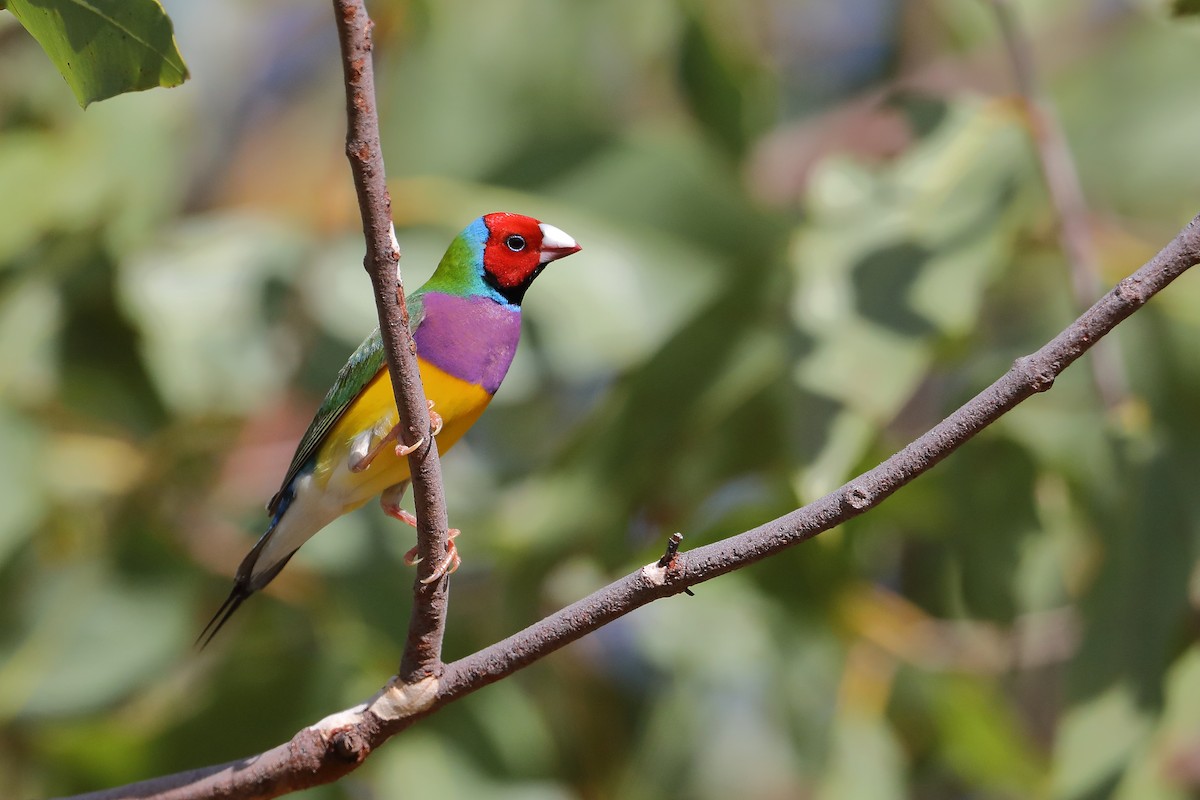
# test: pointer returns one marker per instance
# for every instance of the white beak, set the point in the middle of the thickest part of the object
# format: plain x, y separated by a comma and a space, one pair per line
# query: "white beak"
556, 244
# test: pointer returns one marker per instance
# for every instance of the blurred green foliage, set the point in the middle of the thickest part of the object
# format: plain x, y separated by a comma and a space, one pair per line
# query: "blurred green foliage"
811, 230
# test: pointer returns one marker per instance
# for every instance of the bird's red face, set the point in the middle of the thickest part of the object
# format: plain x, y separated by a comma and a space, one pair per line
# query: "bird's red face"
520, 247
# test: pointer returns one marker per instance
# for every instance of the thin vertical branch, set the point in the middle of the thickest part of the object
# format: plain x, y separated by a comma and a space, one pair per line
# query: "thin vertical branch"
1065, 192
423, 647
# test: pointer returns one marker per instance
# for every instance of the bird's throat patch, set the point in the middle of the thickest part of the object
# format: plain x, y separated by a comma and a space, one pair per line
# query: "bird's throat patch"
473, 339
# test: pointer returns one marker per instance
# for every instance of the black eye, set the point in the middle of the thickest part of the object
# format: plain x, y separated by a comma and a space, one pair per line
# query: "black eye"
515, 243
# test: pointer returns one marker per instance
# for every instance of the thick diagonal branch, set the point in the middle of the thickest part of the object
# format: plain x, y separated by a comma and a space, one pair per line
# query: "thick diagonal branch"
423, 647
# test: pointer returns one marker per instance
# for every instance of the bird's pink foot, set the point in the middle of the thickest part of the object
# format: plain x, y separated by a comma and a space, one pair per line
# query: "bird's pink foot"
370, 443
447, 565
390, 502
435, 427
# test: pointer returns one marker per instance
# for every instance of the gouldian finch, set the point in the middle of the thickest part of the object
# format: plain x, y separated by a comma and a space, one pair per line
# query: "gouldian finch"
465, 321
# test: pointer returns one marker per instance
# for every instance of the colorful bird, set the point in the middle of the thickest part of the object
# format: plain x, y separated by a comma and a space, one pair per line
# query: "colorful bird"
466, 321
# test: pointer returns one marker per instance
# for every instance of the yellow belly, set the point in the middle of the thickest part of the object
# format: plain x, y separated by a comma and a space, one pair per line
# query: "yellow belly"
460, 403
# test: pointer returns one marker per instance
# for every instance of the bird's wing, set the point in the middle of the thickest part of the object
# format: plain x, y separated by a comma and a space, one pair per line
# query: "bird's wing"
363, 365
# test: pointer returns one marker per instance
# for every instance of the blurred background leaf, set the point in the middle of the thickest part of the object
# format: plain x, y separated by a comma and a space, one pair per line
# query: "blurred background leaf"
811, 230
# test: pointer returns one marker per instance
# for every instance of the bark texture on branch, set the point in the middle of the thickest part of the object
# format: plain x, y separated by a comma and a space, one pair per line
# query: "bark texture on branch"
423, 647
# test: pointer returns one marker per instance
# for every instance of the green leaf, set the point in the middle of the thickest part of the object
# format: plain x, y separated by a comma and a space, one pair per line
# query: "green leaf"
866, 760
892, 263
725, 85
1096, 741
61, 661
22, 497
105, 47
982, 739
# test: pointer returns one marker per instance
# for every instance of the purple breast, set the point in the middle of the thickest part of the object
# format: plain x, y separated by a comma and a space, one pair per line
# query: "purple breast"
471, 338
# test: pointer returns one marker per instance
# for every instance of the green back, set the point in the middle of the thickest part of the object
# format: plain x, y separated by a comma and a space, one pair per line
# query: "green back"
364, 364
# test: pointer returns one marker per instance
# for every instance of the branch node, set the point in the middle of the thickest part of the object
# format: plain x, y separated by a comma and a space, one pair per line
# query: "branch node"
398, 700
1037, 377
856, 497
655, 574
349, 746
1129, 292
668, 558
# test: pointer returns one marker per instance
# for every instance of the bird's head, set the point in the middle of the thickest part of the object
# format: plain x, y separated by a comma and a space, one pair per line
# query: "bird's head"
500, 255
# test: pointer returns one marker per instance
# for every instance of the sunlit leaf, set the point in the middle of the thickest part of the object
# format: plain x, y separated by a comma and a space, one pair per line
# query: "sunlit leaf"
105, 47
866, 760
1096, 740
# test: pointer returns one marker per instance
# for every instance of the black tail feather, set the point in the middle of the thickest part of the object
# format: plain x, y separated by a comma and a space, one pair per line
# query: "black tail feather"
244, 585
246, 582
236, 597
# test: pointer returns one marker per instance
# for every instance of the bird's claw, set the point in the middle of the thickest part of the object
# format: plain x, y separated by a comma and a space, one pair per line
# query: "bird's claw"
449, 564
435, 420
403, 450
446, 566
368, 444
435, 427
390, 502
